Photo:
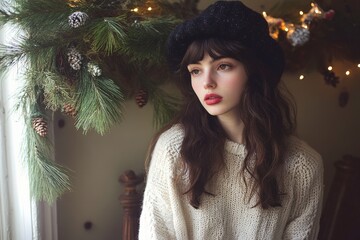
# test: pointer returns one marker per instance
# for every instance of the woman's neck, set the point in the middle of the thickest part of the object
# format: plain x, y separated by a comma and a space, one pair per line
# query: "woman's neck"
233, 127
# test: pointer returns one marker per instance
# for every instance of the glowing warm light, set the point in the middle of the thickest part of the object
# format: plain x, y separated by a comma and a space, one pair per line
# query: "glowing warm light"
135, 10
286, 29
264, 14
301, 77
73, 3
312, 4
359, 65
329, 68
301, 13
149, 8
347, 72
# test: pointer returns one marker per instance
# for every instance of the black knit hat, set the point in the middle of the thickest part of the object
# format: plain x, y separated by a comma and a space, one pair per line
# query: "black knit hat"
229, 20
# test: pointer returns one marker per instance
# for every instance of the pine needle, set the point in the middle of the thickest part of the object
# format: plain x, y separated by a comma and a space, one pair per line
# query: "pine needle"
107, 35
147, 39
11, 54
40, 54
48, 180
51, 15
165, 106
99, 103
57, 92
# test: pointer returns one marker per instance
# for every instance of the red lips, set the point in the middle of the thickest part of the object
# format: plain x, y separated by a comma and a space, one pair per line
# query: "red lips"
211, 99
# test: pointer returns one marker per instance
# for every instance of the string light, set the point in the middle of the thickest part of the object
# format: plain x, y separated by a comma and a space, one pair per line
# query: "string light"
141, 10
297, 34
73, 3
332, 75
315, 13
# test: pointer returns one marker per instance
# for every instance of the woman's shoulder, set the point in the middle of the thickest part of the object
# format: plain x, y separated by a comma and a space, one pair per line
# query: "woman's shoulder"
172, 137
300, 155
167, 150
170, 141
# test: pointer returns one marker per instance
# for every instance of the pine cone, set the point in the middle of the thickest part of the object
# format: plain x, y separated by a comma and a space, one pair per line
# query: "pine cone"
298, 36
74, 58
40, 126
69, 110
77, 19
331, 79
141, 98
94, 69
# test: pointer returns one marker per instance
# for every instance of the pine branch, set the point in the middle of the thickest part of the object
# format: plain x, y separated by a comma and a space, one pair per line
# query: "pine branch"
147, 39
27, 97
57, 92
108, 35
184, 9
165, 106
6, 13
51, 15
48, 180
11, 54
40, 54
99, 103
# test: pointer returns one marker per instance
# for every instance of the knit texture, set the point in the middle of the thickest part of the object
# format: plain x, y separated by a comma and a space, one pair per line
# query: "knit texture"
228, 215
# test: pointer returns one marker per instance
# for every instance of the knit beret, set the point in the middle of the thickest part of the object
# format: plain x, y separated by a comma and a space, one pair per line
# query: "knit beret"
228, 20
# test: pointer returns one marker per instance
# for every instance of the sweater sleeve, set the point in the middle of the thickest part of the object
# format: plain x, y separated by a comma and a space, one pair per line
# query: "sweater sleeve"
307, 194
156, 220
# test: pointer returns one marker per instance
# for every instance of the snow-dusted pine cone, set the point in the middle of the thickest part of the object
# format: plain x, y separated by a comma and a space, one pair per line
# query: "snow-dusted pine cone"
74, 58
94, 69
298, 36
77, 19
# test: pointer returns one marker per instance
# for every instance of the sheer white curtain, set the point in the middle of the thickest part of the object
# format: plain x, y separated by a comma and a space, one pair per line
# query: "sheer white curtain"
4, 191
17, 221
21, 218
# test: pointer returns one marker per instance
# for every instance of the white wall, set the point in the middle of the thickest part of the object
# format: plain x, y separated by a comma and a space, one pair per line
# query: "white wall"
97, 161
332, 130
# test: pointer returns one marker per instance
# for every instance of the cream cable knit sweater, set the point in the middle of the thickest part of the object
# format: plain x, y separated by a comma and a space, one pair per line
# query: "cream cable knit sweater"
167, 214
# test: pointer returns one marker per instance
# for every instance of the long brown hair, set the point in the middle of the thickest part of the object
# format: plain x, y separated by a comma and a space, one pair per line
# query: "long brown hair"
268, 114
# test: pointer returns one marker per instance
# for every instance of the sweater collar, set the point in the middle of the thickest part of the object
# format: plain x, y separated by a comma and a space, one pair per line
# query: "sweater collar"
234, 148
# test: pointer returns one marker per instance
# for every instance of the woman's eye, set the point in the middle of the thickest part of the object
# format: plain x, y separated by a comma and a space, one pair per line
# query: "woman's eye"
224, 67
194, 72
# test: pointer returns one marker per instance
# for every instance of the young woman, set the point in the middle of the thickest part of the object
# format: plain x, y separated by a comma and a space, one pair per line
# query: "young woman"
229, 166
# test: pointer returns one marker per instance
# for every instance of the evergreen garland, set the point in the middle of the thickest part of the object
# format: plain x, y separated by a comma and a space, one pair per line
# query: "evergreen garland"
85, 58
337, 38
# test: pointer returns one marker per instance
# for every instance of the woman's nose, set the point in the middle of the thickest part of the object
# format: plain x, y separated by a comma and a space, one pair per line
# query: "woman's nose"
209, 81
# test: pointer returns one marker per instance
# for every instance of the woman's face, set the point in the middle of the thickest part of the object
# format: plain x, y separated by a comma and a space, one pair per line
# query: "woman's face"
219, 85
